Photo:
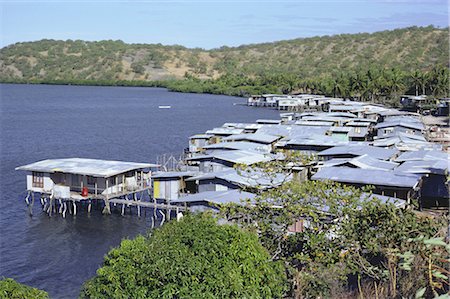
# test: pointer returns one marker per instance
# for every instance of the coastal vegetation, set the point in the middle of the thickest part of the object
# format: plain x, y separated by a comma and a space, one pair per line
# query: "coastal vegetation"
350, 246
192, 258
376, 66
11, 289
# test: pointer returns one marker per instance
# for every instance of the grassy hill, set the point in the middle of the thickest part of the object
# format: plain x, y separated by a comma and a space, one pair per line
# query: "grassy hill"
115, 62
407, 49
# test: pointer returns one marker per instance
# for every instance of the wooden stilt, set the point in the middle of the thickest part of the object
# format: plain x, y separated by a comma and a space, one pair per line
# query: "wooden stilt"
30, 207
64, 210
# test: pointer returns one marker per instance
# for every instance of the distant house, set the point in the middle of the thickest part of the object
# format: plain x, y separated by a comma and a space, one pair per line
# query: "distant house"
218, 133
247, 127
355, 150
237, 145
213, 200
197, 142
266, 141
349, 133
433, 166
230, 179
221, 160
363, 162
389, 183
413, 103
171, 185
406, 142
390, 128
310, 144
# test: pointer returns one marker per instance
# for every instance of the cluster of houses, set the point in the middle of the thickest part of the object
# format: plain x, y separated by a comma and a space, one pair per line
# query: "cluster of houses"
353, 143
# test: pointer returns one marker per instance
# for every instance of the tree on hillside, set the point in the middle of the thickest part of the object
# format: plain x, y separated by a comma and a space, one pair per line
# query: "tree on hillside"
193, 258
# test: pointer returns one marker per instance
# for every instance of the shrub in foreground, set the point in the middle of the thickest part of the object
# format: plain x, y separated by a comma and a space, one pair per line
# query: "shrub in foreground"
11, 289
193, 258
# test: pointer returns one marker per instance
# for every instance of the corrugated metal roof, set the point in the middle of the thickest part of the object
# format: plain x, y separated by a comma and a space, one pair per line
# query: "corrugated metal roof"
200, 136
359, 150
93, 167
256, 137
423, 155
314, 123
316, 140
174, 174
292, 131
268, 121
239, 145
252, 178
367, 177
217, 197
236, 156
412, 125
422, 167
364, 162
246, 126
358, 124
340, 129
224, 131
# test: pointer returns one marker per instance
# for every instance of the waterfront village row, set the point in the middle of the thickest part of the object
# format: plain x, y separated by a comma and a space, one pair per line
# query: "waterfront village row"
353, 143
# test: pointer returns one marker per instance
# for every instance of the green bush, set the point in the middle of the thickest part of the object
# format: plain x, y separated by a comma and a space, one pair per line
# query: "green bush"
193, 258
11, 289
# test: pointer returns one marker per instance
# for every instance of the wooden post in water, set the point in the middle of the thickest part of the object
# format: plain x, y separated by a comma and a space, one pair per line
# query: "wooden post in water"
107, 209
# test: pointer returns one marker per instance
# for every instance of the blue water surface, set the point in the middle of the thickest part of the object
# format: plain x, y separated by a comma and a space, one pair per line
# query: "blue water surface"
118, 123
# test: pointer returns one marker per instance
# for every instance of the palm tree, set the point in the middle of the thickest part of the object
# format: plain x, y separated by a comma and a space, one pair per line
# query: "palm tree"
423, 82
416, 79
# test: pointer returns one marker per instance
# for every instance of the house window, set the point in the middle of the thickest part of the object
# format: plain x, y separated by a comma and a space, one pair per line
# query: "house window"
38, 179
388, 130
90, 180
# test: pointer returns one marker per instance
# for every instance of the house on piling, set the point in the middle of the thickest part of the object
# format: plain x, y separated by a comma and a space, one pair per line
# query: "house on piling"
76, 179
170, 185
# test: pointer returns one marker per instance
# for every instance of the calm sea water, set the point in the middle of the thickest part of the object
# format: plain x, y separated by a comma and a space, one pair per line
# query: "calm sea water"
119, 123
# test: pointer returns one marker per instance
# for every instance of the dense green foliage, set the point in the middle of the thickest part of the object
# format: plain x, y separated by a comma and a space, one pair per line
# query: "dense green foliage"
193, 258
350, 241
369, 66
10, 289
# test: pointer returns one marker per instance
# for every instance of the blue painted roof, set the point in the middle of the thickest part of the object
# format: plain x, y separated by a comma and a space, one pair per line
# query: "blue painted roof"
367, 177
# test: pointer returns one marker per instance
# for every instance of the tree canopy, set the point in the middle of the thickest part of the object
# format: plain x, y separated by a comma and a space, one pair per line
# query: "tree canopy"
11, 289
193, 258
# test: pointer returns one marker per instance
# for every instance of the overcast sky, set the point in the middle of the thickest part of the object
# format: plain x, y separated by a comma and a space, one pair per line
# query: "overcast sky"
209, 24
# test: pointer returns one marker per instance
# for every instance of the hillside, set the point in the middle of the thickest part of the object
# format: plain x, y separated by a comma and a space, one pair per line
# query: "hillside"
408, 49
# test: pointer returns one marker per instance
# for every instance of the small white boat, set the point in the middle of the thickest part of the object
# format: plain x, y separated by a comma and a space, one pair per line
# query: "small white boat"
164, 107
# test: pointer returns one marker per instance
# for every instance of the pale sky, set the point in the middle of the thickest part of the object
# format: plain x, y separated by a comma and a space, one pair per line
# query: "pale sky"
209, 24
